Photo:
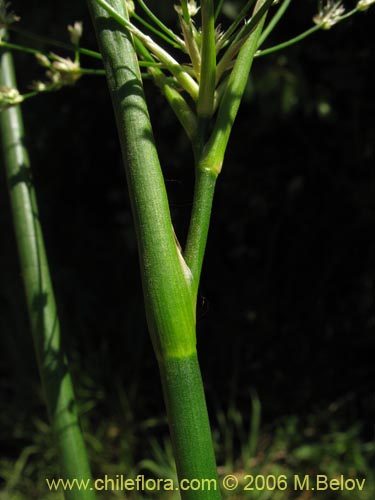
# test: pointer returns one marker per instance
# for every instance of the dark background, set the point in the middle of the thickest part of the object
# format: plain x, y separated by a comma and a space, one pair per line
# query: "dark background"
286, 299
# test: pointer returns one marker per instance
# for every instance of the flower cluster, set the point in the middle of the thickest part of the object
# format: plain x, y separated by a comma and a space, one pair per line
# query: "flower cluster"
75, 32
329, 14
9, 96
364, 4
61, 72
192, 8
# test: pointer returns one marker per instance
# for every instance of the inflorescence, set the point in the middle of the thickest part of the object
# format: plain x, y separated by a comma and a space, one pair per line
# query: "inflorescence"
151, 36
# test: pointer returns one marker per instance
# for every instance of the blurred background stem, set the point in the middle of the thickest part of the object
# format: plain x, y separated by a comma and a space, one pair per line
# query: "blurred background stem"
53, 367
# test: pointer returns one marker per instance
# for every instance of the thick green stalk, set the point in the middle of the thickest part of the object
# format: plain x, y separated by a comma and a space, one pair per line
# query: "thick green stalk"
53, 367
169, 301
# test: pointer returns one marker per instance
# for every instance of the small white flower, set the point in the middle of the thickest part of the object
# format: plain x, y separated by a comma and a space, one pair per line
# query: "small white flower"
329, 14
364, 4
61, 71
43, 60
38, 86
64, 71
75, 32
9, 96
193, 9
130, 7
64, 64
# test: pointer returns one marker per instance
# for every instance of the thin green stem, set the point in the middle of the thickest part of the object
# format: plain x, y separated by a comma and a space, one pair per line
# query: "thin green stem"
214, 151
89, 71
199, 223
157, 32
239, 40
218, 9
210, 158
274, 21
302, 36
53, 367
55, 43
289, 42
239, 19
161, 25
260, 9
348, 14
20, 48
185, 11
205, 104
178, 104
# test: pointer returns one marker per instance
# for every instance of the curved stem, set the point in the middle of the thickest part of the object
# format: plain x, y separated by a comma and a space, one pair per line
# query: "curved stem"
53, 367
55, 43
302, 36
289, 42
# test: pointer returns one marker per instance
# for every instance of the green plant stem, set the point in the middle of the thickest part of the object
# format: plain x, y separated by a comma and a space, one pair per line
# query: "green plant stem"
20, 48
205, 103
157, 21
53, 367
157, 32
186, 81
189, 425
166, 279
243, 36
205, 182
185, 11
274, 22
218, 9
289, 42
239, 19
213, 153
302, 36
55, 43
89, 71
